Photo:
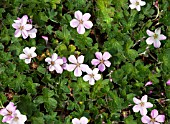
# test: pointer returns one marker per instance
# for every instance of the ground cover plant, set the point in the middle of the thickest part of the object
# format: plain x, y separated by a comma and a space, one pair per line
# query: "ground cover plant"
84, 61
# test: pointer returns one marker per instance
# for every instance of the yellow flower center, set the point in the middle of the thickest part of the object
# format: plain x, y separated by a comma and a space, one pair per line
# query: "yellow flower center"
81, 21
155, 36
52, 62
142, 104
21, 27
137, 3
152, 120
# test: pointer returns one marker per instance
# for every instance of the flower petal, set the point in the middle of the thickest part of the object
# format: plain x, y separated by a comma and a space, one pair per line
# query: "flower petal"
58, 68
6, 118
83, 120
86, 77
95, 71
144, 98
132, 6
24, 34
84, 67
154, 113
148, 83
150, 33
16, 25
101, 67
150, 40
99, 55
136, 108
107, 63
75, 121
27, 61
70, 67
133, 1
32, 49
91, 81
22, 118
157, 44
168, 82
162, 37
148, 105
106, 55
72, 59
59, 61
87, 24
80, 59
78, 15
54, 57
26, 50
77, 72
142, 3
138, 8
145, 119
17, 33
3, 112
95, 62
28, 26
81, 29
97, 77
24, 20
86, 16
51, 68
23, 56
158, 31
160, 118
74, 23
143, 111
136, 101
48, 60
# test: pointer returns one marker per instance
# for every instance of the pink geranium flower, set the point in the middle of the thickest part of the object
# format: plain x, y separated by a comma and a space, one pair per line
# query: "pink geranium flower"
136, 4
22, 27
92, 75
55, 63
83, 120
142, 105
155, 38
64, 65
102, 60
77, 65
155, 118
8, 112
81, 22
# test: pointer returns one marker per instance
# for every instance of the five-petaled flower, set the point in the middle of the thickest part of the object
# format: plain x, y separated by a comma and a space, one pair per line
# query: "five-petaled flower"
55, 63
155, 118
8, 112
18, 118
101, 60
137, 4
83, 120
142, 105
81, 22
155, 38
22, 27
29, 53
92, 75
77, 65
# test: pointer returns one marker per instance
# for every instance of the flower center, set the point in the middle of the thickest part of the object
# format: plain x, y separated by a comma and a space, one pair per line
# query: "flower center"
16, 119
137, 3
152, 120
29, 56
155, 36
81, 21
21, 27
142, 104
52, 63
102, 61
78, 64
91, 75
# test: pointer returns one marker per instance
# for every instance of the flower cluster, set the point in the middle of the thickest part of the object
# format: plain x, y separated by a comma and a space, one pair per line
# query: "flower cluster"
142, 105
24, 27
11, 115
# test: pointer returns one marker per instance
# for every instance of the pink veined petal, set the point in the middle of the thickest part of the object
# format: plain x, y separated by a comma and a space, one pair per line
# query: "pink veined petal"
154, 113
148, 83
150, 40
26, 50
59, 61
74, 23
144, 98
54, 57
132, 6
23, 56
32, 35
32, 49
64, 59
136, 108
160, 118
77, 72
84, 67
97, 77
145, 119
48, 60
143, 111
80, 59
17, 33
148, 105
72, 59
99, 55
138, 8
70, 67
86, 77
106, 55
51, 68
107, 63
161, 37
88, 24
33, 55
133, 1
24, 34
27, 61
158, 31
150, 33
154, 123
27, 27
91, 81
88, 70
86, 16
58, 68
101, 67
23, 118
45, 38
16, 25
24, 20
136, 101
3, 112
95, 71
142, 3
7, 118
75, 121
95, 62
83, 120
157, 44
78, 15
81, 29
